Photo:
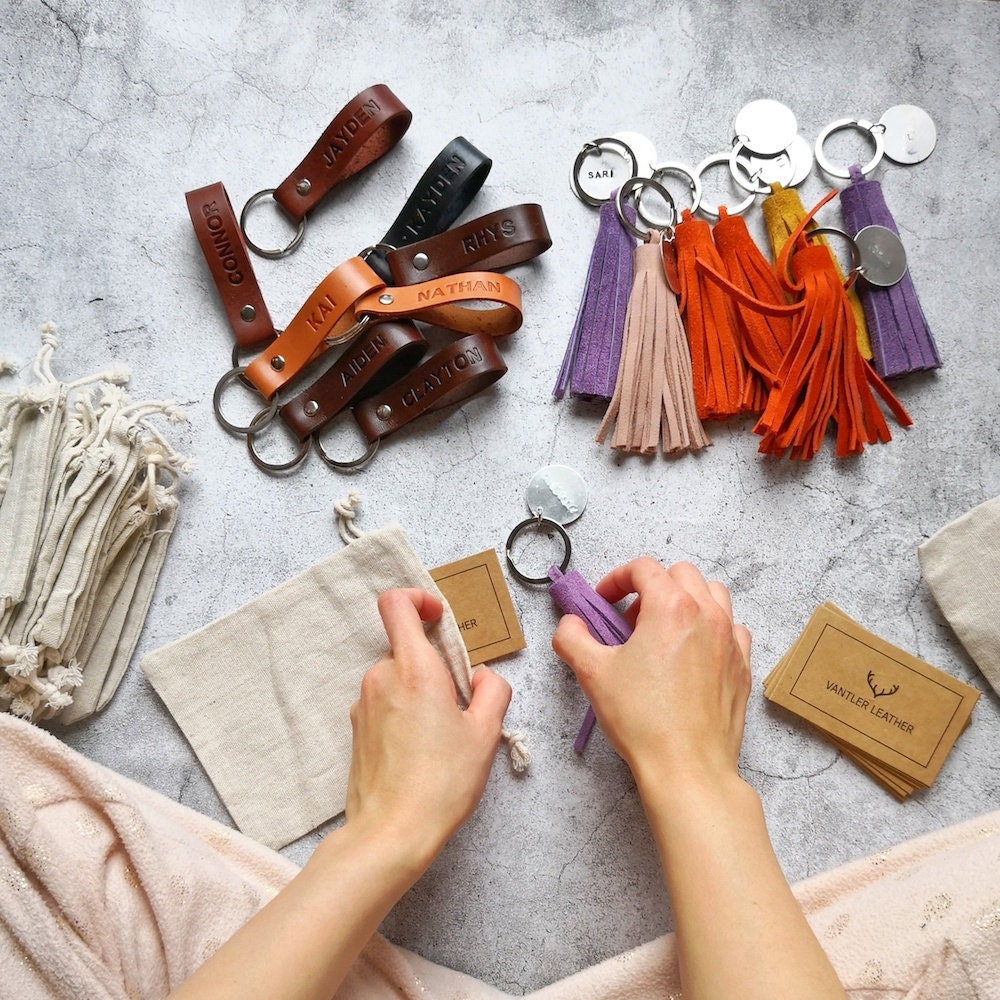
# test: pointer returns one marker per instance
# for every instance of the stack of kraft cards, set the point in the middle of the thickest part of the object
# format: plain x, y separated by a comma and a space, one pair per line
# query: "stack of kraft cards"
894, 715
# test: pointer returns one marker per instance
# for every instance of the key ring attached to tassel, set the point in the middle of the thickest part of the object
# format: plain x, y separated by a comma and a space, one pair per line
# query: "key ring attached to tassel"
590, 363
556, 497
901, 339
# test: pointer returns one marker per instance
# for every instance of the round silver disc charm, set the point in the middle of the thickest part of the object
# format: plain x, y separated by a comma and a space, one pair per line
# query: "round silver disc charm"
766, 127
643, 148
557, 493
789, 168
910, 135
883, 257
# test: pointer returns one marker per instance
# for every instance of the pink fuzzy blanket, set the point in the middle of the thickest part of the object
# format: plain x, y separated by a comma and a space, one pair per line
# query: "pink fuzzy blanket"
108, 890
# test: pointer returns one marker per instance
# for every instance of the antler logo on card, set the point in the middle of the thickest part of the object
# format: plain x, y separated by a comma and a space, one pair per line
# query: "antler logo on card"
883, 692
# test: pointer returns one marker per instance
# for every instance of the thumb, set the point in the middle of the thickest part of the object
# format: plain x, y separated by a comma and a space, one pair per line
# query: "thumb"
490, 698
573, 643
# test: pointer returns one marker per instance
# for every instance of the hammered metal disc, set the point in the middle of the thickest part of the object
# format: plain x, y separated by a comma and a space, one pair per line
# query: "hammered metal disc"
910, 135
883, 256
557, 493
766, 127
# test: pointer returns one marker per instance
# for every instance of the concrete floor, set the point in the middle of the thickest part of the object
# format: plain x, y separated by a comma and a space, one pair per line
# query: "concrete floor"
111, 112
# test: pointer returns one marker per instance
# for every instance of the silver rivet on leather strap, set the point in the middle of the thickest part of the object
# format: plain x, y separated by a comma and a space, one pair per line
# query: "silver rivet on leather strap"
385, 299
248, 314
277, 362
304, 186
384, 412
420, 262
311, 408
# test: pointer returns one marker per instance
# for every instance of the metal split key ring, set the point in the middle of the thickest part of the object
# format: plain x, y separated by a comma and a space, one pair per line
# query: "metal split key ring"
261, 251
598, 146
639, 183
875, 132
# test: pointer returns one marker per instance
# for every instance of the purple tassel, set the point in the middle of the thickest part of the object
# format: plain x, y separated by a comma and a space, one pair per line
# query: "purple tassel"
590, 365
901, 339
574, 596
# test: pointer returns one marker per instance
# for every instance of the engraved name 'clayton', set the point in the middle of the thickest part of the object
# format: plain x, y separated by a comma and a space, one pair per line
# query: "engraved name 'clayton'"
440, 380
342, 140
222, 243
482, 238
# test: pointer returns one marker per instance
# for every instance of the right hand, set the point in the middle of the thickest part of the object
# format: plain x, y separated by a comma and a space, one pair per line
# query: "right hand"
672, 699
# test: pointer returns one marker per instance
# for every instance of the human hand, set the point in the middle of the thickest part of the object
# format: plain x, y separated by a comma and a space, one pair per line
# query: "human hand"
419, 762
672, 698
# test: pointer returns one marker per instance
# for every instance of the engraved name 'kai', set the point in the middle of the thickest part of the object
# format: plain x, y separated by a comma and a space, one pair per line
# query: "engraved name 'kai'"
458, 288
487, 235
342, 139
222, 244
368, 353
435, 381
868, 705
317, 318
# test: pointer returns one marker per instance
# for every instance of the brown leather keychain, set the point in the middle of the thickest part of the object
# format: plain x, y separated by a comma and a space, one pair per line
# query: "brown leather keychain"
368, 365
365, 129
457, 371
492, 242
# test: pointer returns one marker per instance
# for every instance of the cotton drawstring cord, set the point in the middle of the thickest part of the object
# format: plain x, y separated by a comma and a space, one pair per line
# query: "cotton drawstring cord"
345, 512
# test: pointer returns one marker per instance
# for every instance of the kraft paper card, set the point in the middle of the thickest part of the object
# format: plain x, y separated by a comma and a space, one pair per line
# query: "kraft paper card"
477, 592
896, 716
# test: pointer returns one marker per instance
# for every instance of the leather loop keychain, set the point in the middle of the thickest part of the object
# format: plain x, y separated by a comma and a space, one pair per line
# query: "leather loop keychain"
492, 242
364, 130
221, 242
443, 193
456, 372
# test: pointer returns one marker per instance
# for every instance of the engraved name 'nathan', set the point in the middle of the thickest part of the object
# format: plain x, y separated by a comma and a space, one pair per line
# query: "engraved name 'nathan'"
487, 235
869, 705
222, 244
342, 139
458, 288
435, 381
369, 352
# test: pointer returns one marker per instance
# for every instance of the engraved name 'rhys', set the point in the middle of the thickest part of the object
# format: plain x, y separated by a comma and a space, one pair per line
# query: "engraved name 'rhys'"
435, 381
458, 288
482, 238
360, 360
222, 244
341, 140
430, 197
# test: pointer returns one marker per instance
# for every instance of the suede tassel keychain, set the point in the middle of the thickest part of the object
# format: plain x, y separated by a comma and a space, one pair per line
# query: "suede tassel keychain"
590, 364
717, 364
823, 376
765, 339
901, 339
783, 212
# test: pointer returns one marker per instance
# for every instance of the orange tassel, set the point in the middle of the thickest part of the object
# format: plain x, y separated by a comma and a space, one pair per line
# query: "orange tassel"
823, 376
765, 338
717, 364
653, 394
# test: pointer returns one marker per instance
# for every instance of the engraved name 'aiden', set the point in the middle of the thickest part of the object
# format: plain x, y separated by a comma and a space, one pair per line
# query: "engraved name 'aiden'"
441, 379
342, 140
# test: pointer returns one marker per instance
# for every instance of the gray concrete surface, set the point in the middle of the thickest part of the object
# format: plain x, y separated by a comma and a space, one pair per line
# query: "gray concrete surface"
111, 111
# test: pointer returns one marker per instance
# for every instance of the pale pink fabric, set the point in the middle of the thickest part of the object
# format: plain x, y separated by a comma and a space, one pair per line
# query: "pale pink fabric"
108, 890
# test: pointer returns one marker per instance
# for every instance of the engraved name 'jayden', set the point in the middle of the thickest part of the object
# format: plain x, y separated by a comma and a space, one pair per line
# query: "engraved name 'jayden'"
362, 357
435, 381
870, 706
458, 288
430, 197
222, 244
487, 235
342, 139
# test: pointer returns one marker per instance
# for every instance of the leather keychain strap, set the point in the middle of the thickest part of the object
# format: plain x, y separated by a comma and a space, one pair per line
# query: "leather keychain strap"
457, 371
445, 190
492, 242
221, 242
353, 294
384, 355
367, 127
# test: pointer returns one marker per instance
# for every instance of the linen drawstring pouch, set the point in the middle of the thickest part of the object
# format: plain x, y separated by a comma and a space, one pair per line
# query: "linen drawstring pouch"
961, 565
87, 505
263, 694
